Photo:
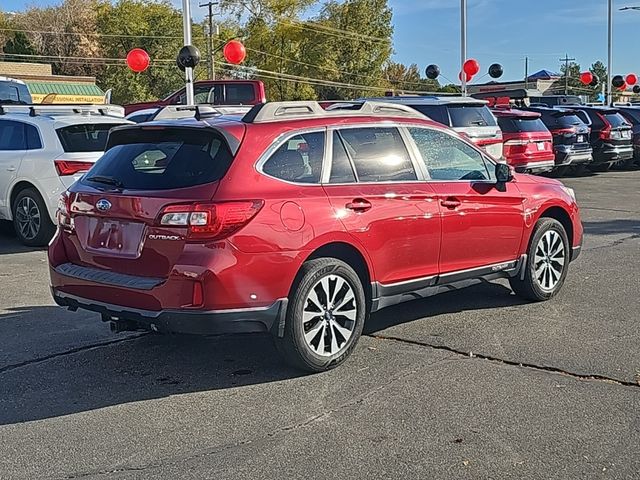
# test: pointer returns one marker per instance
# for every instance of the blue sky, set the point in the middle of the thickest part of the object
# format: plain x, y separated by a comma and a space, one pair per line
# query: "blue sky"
503, 31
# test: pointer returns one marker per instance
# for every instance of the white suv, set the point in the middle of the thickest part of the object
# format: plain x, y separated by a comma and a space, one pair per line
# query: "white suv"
44, 149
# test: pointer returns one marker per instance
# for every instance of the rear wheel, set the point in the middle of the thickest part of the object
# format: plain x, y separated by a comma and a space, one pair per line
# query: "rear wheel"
600, 167
31, 219
325, 316
562, 171
547, 262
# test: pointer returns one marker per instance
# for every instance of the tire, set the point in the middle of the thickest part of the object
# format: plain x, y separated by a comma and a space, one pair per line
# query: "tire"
31, 219
300, 346
600, 167
579, 170
561, 171
535, 284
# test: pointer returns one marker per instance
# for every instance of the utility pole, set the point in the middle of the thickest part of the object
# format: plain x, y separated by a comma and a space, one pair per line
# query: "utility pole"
566, 61
186, 29
210, 53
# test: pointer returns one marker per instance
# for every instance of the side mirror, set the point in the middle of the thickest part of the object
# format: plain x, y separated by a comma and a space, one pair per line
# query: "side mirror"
503, 173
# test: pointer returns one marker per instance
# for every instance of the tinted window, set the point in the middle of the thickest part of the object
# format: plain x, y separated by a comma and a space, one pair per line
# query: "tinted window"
299, 159
448, 158
162, 159
437, 113
516, 125
584, 117
471, 116
378, 154
341, 170
12, 135
568, 120
616, 120
12, 92
143, 117
239, 93
84, 138
33, 137
632, 115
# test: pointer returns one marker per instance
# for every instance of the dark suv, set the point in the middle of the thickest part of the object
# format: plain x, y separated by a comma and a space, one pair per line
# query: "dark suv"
632, 114
610, 136
570, 137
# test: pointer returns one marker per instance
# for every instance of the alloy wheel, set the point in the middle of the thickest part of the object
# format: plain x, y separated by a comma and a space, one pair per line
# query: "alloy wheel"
549, 260
28, 218
329, 315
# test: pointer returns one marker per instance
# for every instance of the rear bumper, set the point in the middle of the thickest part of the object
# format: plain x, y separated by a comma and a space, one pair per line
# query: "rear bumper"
613, 154
535, 167
568, 156
241, 320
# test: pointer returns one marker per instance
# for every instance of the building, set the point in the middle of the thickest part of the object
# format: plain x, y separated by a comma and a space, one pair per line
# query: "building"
544, 81
55, 88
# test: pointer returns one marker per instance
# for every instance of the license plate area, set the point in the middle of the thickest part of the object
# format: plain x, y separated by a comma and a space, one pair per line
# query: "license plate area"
540, 146
112, 237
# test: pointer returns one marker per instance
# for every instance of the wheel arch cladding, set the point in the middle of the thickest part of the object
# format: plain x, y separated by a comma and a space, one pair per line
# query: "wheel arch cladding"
561, 215
19, 187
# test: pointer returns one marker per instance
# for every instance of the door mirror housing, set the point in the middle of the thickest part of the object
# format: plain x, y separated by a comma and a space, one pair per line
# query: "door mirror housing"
503, 173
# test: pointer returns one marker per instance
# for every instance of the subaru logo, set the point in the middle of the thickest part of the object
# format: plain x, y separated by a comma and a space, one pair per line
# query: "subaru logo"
103, 205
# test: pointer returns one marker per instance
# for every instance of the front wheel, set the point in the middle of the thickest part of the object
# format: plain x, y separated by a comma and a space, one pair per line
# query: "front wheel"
31, 219
547, 262
325, 316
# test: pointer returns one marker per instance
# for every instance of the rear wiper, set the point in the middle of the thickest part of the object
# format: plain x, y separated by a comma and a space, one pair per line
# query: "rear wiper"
479, 123
106, 180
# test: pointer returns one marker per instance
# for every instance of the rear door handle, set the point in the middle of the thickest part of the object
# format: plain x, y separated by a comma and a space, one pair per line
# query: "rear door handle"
11, 169
359, 205
450, 202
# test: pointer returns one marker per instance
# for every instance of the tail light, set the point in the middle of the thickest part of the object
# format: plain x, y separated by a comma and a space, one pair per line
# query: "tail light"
63, 215
71, 167
210, 221
605, 133
565, 132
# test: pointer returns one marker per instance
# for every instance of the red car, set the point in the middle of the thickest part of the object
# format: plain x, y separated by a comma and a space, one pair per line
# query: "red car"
300, 221
528, 144
214, 92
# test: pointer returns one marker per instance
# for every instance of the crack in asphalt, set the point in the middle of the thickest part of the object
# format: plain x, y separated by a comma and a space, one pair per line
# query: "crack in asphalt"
72, 351
288, 428
582, 207
615, 243
533, 366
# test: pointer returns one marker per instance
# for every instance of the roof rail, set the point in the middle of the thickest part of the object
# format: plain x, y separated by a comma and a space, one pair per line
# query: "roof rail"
279, 111
175, 112
37, 109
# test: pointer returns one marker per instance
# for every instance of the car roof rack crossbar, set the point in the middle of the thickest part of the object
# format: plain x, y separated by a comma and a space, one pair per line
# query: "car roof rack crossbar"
279, 111
176, 112
34, 110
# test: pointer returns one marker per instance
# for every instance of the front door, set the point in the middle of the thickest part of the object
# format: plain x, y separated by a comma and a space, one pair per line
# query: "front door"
481, 224
374, 189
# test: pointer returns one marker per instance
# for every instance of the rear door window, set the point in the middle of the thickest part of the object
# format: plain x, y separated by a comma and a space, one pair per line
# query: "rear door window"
378, 154
437, 113
161, 159
447, 158
299, 159
522, 124
471, 116
84, 137
12, 135
341, 169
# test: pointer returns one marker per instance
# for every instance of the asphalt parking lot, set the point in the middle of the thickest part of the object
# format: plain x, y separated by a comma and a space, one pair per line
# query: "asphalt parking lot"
474, 384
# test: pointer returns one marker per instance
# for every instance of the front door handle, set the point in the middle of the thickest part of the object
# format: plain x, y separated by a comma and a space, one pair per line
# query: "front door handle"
11, 169
450, 202
359, 205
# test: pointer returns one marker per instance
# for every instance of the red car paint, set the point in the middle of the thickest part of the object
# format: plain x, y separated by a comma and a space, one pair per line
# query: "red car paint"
402, 231
253, 93
528, 144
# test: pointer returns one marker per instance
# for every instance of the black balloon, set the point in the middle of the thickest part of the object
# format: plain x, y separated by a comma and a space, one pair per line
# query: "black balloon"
617, 81
496, 70
594, 82
188, 57
433, 71
636, 89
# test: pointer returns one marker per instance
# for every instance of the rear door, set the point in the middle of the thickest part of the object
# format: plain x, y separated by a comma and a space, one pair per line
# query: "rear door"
375, 190
13, 147
117, 205
481, 226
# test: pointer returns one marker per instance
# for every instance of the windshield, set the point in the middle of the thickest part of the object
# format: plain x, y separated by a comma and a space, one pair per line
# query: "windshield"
162, 159
471, 116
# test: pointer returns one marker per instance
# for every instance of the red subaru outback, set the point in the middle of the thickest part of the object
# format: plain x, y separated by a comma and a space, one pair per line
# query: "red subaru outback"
300, 221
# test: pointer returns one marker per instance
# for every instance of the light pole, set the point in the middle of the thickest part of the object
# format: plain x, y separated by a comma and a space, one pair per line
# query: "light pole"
186, 29
463, 45
609, 51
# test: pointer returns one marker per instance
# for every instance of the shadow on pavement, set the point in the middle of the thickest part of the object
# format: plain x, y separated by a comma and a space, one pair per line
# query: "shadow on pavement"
612, 227
109, 371
8, 241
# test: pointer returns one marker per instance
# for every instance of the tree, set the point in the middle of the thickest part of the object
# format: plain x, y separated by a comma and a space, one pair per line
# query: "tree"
599, 70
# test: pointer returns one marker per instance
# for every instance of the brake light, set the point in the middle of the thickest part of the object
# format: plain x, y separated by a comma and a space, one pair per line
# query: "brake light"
210, 221
605, 133
63, 215
71, 167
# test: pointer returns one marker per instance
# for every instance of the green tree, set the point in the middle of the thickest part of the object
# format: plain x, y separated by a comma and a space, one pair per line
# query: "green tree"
599, 70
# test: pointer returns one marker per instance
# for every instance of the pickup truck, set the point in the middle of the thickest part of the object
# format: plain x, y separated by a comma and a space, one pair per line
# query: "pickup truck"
215, 92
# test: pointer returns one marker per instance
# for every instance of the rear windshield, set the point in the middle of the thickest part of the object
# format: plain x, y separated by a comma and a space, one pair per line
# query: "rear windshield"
13, 92
471, 116
437, 113
85, 138
515, 125
632, 115
616, 120
568, 120
161, 160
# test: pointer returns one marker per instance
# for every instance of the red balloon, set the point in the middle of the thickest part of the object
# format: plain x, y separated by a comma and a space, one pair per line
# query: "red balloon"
623, 87
138, 60
468, 77
471, 66
632, 79
234, 52
586, 77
